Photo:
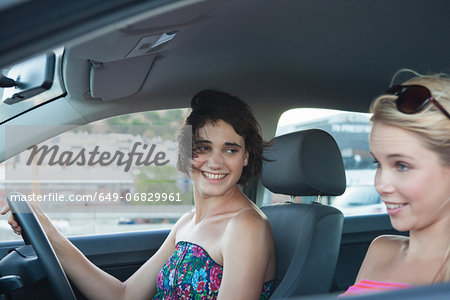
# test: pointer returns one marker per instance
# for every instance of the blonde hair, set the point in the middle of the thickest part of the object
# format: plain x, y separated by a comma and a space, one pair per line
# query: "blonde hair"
430, 124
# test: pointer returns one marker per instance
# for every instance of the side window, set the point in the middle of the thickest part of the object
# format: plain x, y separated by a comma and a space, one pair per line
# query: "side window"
351, 132
114, 175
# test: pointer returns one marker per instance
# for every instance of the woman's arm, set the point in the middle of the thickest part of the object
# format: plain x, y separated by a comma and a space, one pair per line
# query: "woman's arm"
248, 255
93, 282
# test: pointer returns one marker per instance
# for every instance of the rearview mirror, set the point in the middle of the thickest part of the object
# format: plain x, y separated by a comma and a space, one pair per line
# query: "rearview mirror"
28, 78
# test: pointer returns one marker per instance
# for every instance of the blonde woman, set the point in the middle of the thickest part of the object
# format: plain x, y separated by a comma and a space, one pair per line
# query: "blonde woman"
410, 143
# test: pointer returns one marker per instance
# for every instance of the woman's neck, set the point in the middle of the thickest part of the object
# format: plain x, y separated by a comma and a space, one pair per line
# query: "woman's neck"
432, 241
216, 205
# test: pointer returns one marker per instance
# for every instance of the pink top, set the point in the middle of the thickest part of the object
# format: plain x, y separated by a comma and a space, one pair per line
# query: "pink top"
365, 286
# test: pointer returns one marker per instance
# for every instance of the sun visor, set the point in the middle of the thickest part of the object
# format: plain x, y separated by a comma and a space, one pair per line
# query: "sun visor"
119, 79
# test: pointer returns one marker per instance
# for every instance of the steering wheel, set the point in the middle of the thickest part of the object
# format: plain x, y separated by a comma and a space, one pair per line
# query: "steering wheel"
32, 233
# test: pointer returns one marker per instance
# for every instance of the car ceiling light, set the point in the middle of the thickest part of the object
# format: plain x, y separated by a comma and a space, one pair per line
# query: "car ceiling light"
165, 37
149, 43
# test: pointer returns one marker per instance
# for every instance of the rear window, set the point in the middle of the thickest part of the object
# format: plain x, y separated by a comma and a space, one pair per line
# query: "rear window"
351, 132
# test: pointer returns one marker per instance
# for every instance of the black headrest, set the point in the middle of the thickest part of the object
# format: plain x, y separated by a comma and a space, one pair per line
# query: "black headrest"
304, 163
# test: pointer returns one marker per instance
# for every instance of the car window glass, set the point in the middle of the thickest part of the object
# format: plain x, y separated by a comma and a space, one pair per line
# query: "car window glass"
146, 196
351, 132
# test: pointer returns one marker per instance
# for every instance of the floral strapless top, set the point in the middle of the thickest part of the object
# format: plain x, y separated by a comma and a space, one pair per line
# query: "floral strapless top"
190, 273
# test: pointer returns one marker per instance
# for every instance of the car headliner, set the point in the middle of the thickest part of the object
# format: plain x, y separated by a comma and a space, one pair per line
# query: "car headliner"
275, 55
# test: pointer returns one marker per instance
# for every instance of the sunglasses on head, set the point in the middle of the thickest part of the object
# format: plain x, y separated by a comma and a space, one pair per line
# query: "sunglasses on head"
413, 98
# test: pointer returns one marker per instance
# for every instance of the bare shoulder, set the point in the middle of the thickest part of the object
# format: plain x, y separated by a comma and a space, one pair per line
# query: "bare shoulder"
380, 254
384, 247
183, 220
252, 218
250, 222
387, 244
246, 231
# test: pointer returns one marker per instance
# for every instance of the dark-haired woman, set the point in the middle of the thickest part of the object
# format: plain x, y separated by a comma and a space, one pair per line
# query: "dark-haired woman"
223, 249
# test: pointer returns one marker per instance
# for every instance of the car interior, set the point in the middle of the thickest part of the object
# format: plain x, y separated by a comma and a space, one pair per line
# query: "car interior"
87, 61
307, 236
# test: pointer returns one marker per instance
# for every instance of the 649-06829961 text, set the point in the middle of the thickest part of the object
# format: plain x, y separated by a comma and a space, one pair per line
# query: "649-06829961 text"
101, 197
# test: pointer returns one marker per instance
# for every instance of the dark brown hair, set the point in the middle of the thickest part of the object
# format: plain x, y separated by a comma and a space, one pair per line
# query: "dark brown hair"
212, 106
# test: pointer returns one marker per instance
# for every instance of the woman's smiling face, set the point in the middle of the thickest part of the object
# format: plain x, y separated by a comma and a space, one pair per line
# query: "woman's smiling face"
220, 156
411, 179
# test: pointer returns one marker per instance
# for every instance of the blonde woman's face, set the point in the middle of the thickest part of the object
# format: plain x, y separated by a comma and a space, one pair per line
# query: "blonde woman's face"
413, 183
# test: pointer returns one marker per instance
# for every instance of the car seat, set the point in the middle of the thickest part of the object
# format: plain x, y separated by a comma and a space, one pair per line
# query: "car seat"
307, 236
